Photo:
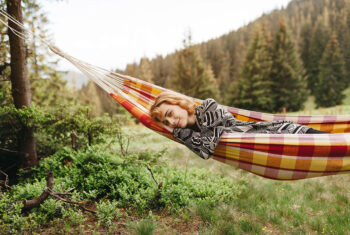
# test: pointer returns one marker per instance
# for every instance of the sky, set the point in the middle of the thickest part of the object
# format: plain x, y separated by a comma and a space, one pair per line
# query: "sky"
113, 33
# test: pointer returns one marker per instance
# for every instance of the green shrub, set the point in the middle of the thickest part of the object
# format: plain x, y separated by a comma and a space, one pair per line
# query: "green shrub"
107, 211
73, 217
114, 180
199, 185
144, 227
53, 127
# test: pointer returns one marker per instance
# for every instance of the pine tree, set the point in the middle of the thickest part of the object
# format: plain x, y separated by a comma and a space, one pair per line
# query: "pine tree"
192, 76
131, 70
331, 79
254, 88
289, 85
145, 71
304, 45
224, 77
318, 44
158, 70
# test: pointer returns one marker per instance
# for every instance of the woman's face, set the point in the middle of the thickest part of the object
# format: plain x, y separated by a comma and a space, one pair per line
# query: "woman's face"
175, 116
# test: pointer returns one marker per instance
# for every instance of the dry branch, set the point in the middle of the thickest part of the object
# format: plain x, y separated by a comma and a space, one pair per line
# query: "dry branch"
55, 195
150, 170
6, 182
29, 204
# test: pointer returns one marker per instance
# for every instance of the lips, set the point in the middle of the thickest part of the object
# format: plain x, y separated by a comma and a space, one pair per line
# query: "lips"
178, 122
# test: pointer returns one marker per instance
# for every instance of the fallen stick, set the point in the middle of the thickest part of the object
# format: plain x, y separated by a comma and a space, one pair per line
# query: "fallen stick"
29, 204
6, 182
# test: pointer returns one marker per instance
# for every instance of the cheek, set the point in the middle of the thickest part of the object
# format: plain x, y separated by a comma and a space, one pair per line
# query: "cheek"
185, 114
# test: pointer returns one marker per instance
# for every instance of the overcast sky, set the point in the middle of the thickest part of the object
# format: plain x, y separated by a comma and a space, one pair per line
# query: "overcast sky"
113, 33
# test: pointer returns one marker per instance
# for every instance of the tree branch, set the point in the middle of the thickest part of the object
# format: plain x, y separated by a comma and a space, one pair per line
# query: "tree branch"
9, 151
6, 182
71, 202
160, 184
29, 204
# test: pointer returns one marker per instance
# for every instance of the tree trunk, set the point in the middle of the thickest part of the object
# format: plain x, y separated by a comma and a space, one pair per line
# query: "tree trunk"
20, 83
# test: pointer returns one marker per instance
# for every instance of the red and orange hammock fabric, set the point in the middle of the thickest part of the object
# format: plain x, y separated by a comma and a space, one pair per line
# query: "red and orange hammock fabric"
274, 156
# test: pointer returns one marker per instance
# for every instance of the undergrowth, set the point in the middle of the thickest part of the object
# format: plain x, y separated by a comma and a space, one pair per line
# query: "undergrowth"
113, 183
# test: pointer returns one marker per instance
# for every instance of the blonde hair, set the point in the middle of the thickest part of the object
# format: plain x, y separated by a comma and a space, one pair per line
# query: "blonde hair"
174, 99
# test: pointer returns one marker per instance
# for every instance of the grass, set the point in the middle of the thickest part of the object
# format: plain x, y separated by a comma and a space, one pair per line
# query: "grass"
310, 206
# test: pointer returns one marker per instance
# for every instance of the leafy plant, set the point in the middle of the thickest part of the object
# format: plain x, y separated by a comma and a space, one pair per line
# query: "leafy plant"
107, 211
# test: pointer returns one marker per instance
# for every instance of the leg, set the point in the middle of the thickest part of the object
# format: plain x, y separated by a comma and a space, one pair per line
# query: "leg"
314, 131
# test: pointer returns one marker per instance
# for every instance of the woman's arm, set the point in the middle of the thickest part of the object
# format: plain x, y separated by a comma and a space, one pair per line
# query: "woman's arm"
213, 119
203, 144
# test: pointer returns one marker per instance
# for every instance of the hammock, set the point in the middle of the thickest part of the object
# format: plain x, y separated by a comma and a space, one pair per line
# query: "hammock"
274, 156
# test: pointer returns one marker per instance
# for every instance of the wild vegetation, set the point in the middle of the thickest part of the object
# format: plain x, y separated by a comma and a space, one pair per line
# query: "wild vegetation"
97, 171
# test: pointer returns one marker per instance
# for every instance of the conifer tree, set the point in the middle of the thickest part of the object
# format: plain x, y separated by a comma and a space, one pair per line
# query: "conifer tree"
304, 45
331, 79
192, 76
145, 70
289, 85
158, 70
254, 88
318, 44
224, 78
131, 69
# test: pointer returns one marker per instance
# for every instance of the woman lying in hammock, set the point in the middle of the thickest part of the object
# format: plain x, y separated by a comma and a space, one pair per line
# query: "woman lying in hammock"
200, 127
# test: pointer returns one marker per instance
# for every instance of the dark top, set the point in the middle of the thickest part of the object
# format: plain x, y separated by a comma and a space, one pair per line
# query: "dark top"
212, 121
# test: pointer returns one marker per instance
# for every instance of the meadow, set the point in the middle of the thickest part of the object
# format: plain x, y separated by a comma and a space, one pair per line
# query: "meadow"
157, 186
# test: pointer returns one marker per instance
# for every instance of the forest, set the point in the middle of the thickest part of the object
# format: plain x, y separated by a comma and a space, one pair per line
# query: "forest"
70, 163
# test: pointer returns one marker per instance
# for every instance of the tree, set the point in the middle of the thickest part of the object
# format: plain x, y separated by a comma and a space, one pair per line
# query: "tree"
145, 71
20, 83
192, 76
289, 85
331, 79
318, 44
254, 88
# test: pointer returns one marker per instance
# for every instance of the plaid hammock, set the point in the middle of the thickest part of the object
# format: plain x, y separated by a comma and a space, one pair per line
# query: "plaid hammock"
274, 156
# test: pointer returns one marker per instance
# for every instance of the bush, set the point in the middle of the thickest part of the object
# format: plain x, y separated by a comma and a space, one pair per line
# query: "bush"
115, 181
53, 127
107, 212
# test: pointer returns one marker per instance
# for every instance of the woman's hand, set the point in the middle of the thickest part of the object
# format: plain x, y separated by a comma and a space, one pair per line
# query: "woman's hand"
171, 129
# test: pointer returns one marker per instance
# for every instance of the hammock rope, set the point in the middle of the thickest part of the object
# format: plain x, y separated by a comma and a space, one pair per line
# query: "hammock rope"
274, 156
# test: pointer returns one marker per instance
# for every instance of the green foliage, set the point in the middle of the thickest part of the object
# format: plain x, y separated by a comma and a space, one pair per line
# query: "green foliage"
53, 128
316, 48
144, 227
73, 217
289, 87
193, 78
112, 181
331, 79
271, 77
107, 211
254, 90
11, 219
197, 185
